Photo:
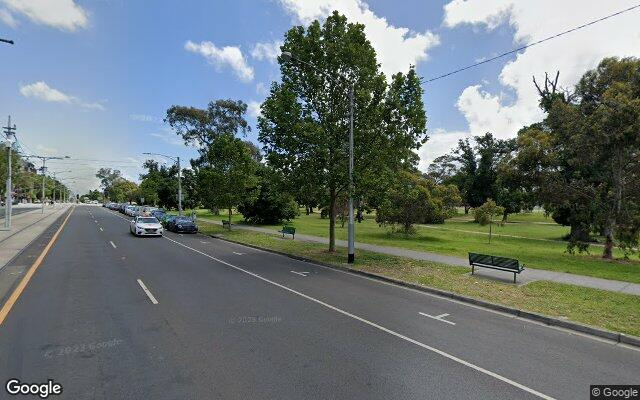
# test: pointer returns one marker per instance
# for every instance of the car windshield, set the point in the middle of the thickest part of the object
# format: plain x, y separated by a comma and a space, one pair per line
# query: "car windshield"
148, 220
183, 220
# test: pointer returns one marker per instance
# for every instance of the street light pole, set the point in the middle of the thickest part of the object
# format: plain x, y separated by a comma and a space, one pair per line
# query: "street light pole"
179, 188
352, 256
9, 131
288, 56
44, 170
177, 161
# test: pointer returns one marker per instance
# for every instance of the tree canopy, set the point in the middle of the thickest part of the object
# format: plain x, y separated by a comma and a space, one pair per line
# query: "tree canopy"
304, 124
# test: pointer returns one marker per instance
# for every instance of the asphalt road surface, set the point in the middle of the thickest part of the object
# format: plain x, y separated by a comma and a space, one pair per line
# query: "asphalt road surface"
111, 316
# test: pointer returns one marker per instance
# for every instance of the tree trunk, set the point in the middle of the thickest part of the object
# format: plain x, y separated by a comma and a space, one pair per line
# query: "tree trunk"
608, 243
466, 209
229, 218
490, 232
504, 216
579, 234
332, 221
612, 220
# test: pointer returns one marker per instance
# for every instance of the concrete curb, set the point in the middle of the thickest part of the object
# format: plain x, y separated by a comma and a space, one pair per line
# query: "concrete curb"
547, 320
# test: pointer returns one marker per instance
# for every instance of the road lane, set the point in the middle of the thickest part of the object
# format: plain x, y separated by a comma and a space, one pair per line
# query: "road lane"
221, 333
549, 359
189, 280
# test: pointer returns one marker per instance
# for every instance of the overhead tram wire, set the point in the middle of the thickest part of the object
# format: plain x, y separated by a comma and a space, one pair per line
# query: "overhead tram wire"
531, 44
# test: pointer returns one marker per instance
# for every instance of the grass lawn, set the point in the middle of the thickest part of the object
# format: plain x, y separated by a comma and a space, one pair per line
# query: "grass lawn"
448, 238
613, 311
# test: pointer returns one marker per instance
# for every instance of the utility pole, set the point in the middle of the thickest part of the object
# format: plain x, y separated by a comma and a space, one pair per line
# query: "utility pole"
9, 131
179, 188
351, 234
44, 171
55, 184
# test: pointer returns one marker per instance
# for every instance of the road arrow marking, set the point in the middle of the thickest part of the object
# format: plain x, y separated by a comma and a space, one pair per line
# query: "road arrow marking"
438, 317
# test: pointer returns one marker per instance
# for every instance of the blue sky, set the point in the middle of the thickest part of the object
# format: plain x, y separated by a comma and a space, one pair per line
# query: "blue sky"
94, 81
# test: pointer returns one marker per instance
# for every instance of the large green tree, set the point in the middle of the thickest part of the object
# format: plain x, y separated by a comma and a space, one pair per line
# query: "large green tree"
159, 184
122, 190
413, 199
305, 119
107, 178
229, 177
596, 142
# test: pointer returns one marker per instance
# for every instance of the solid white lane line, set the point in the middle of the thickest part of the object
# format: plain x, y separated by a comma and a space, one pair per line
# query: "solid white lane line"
153, 299
112, 244
380, 327
438, 317
300, 273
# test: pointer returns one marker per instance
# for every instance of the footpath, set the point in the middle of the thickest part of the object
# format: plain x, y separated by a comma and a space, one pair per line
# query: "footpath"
528, 275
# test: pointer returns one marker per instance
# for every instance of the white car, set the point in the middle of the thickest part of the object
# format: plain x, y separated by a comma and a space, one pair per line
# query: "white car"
145, 226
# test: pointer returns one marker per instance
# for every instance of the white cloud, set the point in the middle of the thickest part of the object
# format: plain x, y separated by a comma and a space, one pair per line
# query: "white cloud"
253, 109
61, 14
94, 106
490, 13
572, 54
266, 51
227, 56
47, 151
41, 91
397, 47
440, 142
168, 137
7, 18
262, 89
144, 118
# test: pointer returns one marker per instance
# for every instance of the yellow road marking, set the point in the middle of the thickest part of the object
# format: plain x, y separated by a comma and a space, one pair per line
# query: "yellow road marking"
32, 270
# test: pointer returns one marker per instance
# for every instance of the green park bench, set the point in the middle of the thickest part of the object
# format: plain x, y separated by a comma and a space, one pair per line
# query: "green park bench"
226, 224
290, 230
494, 262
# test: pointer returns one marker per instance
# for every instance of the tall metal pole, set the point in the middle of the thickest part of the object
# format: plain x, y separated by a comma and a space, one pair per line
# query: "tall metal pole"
352, 256
179, 189
8, 192
44, 170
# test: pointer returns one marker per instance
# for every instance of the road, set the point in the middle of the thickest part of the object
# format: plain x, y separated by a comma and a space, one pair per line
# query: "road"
111, 316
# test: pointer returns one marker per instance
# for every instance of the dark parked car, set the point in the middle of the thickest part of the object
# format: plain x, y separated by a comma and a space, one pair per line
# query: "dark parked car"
160, 214
181, 224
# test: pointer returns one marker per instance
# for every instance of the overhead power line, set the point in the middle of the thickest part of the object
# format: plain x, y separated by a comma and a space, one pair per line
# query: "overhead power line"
532, 44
